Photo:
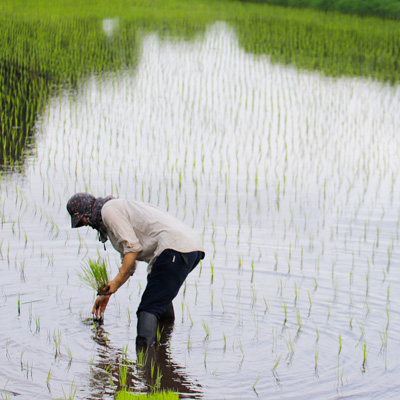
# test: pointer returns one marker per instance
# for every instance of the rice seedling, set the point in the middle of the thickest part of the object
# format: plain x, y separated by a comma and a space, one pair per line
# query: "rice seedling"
389, 253
387, 314
384, 338
37, 321
266, 305
280, 287
48, 379
69, 352
95, 274
285, 312
298, 318
22, 270
72, 392
253, 296
317, 332
239, 289
290, 346
159, 333
365, 353
57, 342
277, 361
128, 314
224, 336
189, 343
255, 383
141, 359
316, 356
241, 348
206, 329
388, 293
123, 372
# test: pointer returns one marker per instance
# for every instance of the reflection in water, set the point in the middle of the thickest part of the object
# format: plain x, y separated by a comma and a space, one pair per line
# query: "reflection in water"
153, 368
22, 97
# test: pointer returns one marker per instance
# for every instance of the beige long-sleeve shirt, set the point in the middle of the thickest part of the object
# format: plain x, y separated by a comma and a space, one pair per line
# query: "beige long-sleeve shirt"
134, 226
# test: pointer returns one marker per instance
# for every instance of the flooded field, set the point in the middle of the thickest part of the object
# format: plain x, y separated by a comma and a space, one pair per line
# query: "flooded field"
291, 178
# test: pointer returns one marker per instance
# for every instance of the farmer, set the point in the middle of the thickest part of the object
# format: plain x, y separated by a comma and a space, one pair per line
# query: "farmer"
141, 232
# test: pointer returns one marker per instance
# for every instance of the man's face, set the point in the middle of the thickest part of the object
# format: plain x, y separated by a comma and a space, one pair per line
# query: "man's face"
83, 222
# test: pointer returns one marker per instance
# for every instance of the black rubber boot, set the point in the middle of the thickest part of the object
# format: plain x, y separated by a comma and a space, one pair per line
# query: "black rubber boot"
169, 314
146, 329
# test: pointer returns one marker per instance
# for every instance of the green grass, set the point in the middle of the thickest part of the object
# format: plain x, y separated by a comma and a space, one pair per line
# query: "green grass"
124, 395
381, 8
94, 274
66, 40
331, 43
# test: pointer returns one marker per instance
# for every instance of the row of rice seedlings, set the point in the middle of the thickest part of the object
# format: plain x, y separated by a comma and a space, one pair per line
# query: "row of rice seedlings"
300, 325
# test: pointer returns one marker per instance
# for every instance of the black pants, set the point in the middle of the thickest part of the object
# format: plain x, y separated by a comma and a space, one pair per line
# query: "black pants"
165, 279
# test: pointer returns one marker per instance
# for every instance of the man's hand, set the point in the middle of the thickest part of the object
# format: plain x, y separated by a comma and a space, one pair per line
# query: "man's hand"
109, 289
100, 306
112, 286
122, 276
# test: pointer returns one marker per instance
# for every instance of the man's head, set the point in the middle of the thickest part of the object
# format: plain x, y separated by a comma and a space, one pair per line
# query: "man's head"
85, 209
79, 207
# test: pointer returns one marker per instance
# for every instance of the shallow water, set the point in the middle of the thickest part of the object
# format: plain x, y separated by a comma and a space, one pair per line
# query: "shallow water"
290, 177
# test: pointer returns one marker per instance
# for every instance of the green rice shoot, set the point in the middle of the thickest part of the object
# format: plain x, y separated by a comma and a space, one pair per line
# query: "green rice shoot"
95, 273
124, 395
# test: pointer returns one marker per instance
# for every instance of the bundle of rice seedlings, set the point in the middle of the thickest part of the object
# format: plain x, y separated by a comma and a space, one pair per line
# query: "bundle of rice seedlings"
95, 274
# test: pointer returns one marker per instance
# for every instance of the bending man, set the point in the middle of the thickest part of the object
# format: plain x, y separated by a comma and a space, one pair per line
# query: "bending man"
141, 232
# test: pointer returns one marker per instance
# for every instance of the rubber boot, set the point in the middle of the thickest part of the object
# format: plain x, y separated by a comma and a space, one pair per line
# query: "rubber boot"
169, 314
146, 329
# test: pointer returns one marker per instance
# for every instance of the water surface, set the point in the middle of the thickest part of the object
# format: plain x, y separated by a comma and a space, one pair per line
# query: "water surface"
290, 177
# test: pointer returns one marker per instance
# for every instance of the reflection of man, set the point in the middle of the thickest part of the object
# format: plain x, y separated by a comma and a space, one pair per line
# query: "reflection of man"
142, 232
155, 362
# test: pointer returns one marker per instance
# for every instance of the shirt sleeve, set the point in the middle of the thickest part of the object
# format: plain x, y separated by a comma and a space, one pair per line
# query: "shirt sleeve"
118, 224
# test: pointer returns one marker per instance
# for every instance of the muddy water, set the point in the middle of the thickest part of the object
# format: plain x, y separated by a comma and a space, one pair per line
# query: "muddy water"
290, 177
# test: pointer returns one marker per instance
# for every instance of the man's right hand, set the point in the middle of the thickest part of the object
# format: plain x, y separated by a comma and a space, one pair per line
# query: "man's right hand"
100, 306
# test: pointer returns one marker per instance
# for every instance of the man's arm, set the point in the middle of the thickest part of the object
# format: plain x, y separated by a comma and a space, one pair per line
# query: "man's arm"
124, 273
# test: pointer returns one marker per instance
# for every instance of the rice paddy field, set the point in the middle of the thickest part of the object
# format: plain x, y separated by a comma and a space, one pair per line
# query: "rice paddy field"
274, 134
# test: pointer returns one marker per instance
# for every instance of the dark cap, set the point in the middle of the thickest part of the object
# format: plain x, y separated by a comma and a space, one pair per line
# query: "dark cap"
77, 206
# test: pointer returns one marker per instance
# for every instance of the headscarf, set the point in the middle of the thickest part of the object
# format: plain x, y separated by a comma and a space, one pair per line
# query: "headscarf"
85, 205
